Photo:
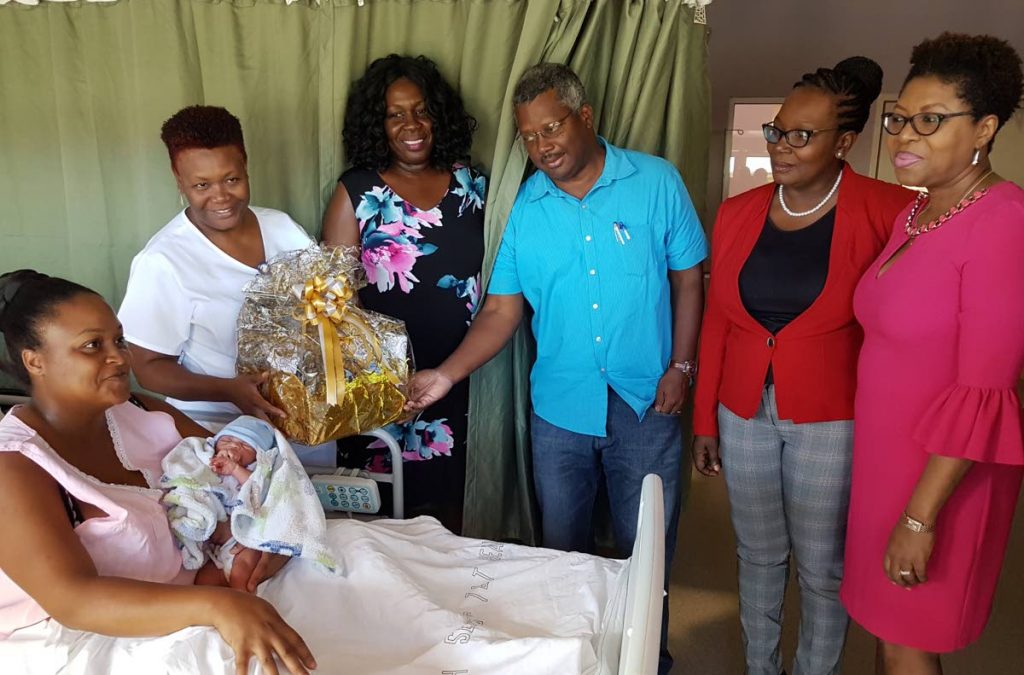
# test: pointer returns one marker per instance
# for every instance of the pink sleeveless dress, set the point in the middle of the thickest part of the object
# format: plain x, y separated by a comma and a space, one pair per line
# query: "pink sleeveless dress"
134, 540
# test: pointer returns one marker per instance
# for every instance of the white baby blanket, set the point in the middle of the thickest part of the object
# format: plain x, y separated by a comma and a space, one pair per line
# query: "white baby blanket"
276, 510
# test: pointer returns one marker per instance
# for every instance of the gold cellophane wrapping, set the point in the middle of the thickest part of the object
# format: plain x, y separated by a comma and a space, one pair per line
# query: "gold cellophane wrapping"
297, 297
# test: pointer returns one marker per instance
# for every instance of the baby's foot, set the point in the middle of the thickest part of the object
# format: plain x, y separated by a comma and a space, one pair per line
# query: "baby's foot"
221, 533
242, 567
210, 575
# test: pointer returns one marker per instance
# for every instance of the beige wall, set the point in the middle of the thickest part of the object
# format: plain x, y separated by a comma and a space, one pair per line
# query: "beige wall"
760, 48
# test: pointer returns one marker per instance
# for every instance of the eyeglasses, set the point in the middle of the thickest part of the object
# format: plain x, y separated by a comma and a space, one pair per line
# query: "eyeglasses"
548, 131
797, 138
925, 124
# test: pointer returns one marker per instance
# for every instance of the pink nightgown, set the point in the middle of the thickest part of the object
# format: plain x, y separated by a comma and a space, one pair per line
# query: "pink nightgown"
134, 539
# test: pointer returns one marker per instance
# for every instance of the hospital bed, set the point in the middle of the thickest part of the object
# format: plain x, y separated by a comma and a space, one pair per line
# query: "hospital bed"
584, 613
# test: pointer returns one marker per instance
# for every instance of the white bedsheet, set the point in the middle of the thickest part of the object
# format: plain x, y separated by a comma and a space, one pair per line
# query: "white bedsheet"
416, 599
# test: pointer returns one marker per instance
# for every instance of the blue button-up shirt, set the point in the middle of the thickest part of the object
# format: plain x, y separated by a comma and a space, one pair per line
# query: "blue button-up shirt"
595, 271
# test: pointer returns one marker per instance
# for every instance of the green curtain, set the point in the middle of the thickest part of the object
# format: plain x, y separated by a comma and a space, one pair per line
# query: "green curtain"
84, 179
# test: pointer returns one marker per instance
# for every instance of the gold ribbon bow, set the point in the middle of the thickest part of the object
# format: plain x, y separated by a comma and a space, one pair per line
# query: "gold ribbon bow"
324, 303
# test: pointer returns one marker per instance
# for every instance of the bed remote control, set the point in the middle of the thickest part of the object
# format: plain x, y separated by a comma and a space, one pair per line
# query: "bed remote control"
347, 493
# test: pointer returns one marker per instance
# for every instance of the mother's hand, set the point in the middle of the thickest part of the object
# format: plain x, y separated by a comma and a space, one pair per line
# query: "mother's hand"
252, 627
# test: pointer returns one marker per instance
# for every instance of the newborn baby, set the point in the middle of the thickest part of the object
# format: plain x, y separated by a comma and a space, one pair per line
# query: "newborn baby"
233, 451
234, 454
238, 494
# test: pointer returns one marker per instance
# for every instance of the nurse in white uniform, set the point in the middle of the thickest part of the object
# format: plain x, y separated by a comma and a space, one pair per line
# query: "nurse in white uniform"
185, 287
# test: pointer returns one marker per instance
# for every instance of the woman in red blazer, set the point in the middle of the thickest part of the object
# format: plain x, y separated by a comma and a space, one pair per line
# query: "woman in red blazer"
778, 356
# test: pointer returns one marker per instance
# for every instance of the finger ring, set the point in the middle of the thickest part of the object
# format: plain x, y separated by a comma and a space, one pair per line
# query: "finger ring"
905, 573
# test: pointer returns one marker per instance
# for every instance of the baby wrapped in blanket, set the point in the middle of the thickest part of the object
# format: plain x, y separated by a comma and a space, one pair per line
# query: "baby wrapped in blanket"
238, 493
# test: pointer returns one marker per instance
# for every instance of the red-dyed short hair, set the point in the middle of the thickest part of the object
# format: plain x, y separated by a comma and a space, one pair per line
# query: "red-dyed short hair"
201, 126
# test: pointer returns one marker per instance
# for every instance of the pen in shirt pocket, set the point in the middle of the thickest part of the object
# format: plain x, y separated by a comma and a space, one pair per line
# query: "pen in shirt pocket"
621, 233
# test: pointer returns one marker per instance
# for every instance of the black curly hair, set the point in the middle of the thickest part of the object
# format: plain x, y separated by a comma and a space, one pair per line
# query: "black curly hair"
201, 126
985, 70
27, 298
366, 144
856, 82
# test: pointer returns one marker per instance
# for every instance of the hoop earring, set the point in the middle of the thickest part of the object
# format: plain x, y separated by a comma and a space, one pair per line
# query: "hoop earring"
181, 199
977, 157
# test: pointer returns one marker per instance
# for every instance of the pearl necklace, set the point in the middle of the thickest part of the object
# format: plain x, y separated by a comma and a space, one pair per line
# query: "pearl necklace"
801, 214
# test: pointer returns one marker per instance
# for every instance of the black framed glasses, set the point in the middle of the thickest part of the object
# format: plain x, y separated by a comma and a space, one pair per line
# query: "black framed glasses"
925, 123
548, 130
797, 138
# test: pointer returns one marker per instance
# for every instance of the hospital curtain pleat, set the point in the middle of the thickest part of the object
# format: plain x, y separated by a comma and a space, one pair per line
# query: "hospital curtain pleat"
85, 181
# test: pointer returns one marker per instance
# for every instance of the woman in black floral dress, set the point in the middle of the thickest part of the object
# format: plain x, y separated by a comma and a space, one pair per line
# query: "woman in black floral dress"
416, 209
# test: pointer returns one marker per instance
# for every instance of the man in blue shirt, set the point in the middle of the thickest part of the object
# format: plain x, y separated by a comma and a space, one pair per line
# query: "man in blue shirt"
606, 247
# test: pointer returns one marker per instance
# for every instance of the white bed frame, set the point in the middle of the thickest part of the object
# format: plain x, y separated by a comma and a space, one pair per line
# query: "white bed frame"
645, 591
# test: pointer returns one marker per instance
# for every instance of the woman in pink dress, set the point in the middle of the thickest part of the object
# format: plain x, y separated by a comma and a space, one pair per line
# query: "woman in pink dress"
938, 453
85, 535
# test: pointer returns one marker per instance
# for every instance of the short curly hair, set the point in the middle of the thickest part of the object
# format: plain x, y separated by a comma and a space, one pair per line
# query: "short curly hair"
366, 144
201, 126
985, 70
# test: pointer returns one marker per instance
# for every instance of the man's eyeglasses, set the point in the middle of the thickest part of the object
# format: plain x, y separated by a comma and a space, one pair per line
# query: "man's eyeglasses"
925, 124
548, 131
797, 138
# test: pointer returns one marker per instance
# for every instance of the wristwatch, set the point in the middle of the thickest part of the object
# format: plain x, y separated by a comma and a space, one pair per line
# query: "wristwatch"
689, 368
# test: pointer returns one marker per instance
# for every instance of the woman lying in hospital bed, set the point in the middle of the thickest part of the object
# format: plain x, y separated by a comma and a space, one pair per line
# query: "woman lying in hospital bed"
91, 579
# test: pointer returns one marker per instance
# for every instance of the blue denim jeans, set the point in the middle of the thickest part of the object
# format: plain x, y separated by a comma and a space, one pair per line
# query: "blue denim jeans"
569, 467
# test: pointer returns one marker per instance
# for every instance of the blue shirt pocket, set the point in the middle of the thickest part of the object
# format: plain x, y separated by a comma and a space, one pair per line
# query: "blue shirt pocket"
637, 247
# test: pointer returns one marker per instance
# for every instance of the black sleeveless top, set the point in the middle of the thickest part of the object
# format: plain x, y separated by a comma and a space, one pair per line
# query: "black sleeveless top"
786, 271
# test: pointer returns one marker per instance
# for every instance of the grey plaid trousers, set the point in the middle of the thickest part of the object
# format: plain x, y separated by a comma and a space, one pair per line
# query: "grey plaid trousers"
789, 489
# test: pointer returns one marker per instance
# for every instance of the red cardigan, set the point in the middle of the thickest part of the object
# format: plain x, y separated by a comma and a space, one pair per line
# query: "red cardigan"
814, 357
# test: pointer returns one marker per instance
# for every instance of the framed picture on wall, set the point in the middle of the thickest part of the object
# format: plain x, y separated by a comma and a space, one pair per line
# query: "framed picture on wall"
881, 165
746, 162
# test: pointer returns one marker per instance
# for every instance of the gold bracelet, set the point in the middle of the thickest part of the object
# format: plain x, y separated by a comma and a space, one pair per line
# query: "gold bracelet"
915, 525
